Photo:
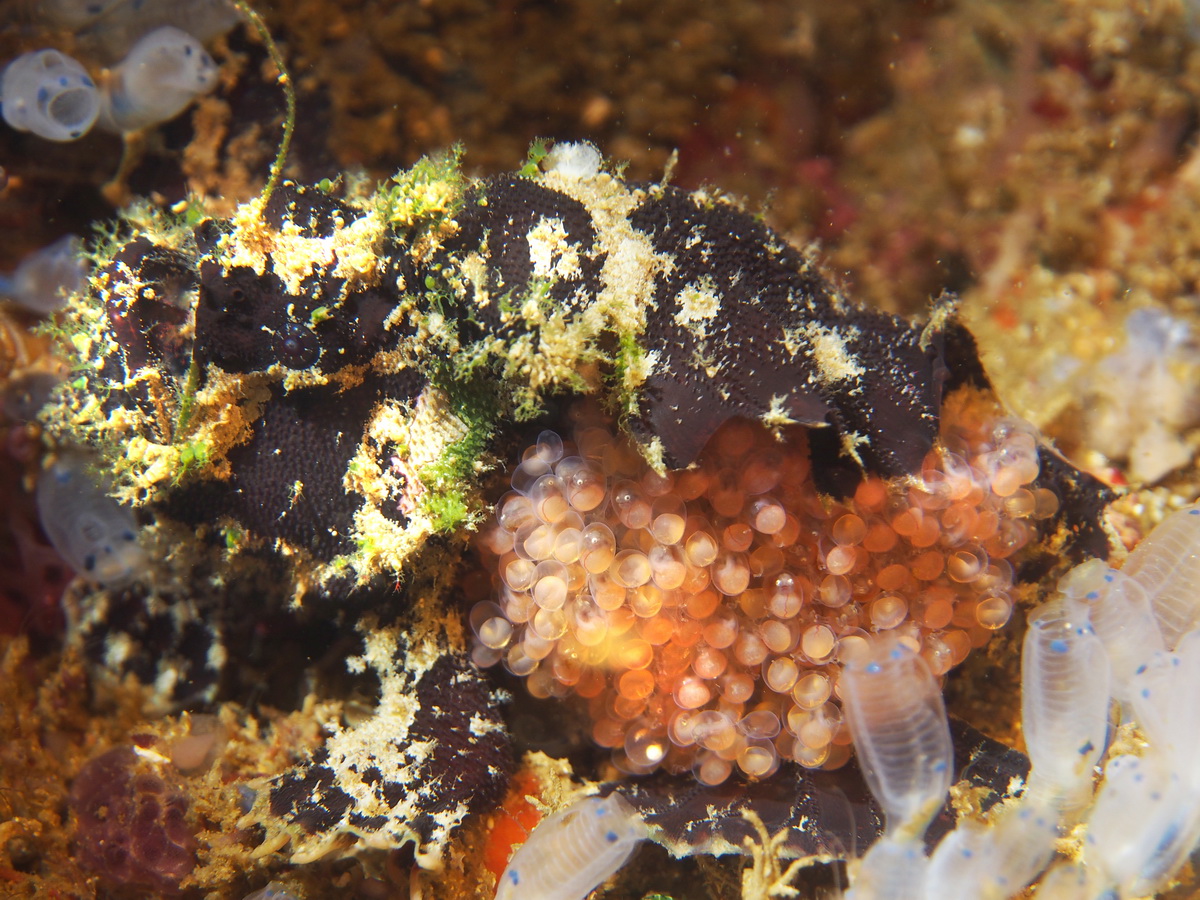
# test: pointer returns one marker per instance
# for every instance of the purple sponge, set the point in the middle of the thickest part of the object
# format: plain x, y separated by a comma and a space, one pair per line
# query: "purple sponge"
131, 824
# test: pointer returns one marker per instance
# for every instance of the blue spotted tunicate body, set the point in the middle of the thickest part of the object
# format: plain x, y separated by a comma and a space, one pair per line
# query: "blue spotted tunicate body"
164, 72
46, 277
898, 719
273, 891
570, 853
50, 94
94, 533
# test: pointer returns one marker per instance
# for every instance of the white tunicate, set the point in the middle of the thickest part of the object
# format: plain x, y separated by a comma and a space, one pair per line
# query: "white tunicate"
1068, 881
75, 14
45, 278
893, 869
999, 860
1167, 565
164, 72
1065, 696
94, 533
570, 853
897, 718
108, 28
273, 891
1140, 402
1165, 698
203, 19
25, 395
50, 95
574, 160
1144, 824
1120, 614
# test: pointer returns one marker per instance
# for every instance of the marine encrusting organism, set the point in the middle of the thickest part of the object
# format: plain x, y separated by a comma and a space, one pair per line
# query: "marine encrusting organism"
902, 736
306, 399
1137, 400
1145, 821
46, 277
114, 25
272, 891
111, 27
132, 820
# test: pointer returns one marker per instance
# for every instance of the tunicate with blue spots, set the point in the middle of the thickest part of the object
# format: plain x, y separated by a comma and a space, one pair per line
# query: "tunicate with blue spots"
94, 533
1065, 690
164, 72
49, 94
894, 707
570, 853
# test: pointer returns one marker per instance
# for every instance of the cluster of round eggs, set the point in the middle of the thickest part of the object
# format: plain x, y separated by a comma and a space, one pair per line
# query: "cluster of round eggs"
704, 614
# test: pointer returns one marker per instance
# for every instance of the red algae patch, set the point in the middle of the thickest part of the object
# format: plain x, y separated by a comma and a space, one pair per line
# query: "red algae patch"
704, 615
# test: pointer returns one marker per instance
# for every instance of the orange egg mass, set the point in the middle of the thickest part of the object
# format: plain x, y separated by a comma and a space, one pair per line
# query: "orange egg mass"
704, 615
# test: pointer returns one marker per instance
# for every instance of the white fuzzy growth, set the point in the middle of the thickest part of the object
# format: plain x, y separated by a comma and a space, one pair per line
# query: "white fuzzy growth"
893, 869
164, 72
569, 854
901, 734
996, 861
1167, 565
574, 160
50, 94
1144, 825
96, 535
1065, 695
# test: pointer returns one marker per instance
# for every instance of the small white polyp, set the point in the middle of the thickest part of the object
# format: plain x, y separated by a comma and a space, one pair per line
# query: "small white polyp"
574, 160
1165, 697
1120, 614
1068, 881
75, 14
49, 94
164, 72
45, 278
570, 853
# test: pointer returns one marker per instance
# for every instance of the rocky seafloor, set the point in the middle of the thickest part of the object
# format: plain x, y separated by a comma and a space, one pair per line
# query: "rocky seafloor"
1037, 160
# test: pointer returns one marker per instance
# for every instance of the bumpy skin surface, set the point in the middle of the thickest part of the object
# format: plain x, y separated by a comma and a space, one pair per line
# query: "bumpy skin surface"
131, 822
301, 398
738, 323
